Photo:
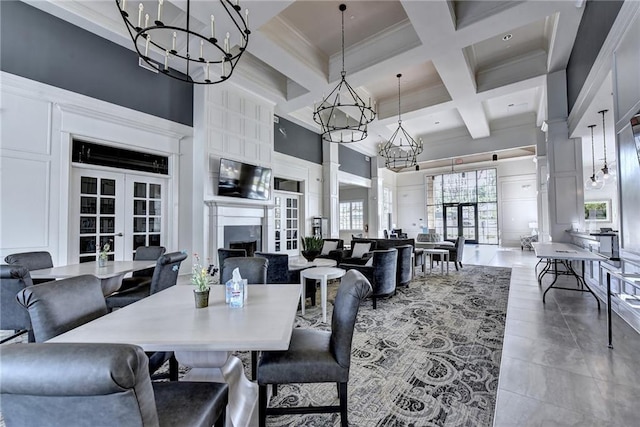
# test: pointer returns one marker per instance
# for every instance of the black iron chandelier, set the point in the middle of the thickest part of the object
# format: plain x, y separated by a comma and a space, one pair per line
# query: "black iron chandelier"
401, 151
343, 115
180, 48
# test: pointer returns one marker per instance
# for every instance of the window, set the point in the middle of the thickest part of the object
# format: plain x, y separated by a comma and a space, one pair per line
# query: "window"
352, 215
477, 187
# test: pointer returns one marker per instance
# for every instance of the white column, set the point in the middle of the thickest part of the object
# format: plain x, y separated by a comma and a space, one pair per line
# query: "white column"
330, 190
564, 161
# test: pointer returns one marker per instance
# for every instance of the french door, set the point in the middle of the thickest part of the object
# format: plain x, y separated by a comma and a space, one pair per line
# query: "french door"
124, 210
461, 219
287, 223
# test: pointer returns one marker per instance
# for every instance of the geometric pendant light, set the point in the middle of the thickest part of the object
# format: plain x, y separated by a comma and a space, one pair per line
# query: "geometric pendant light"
342, 115
401, 151
605, 168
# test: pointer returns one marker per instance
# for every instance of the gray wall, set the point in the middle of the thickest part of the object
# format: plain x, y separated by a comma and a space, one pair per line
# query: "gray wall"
41, 47
597, 19
354, 162
297, 141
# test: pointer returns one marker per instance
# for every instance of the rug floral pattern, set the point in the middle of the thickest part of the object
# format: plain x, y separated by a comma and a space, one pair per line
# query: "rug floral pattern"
428, 356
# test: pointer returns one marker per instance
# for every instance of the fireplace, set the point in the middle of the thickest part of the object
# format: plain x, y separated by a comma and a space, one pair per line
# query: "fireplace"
240, 224
247, 237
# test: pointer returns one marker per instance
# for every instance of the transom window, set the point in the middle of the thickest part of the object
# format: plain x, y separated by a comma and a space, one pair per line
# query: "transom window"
352, 215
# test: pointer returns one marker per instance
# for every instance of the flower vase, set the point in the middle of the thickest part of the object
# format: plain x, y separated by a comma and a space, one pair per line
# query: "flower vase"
310, 255
201, 298
102, 261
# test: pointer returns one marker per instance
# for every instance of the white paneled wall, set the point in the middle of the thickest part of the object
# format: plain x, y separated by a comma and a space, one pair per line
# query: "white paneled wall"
38, 124
238, 125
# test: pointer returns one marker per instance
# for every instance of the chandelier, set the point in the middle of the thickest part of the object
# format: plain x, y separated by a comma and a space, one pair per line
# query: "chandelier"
593, 183
343, 115
167, 45
401, 150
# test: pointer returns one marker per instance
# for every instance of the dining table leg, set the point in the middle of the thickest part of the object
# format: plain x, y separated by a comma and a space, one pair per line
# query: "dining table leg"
221, 366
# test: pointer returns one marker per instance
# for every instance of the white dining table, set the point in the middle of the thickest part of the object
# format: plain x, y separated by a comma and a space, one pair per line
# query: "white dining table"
323, 274
202, 339
110, 275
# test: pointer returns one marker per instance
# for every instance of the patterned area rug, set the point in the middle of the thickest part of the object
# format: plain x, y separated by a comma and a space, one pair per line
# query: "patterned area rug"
428, 356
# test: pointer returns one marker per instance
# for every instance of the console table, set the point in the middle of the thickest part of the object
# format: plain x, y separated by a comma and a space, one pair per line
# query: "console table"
632, 279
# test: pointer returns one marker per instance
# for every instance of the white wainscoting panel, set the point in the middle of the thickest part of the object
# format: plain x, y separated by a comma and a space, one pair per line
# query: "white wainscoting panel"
26, 124
25, 187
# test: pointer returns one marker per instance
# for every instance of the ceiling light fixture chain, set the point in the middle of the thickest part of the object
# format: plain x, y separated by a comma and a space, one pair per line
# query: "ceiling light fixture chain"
342, 115
605, 168
400, 155
167, 47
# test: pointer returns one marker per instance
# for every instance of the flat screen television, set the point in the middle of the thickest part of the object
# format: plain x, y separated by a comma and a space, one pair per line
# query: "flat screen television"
243, 180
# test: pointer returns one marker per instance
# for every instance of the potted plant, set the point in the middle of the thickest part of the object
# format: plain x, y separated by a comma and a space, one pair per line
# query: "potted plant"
104, 257
201, 279
311, 247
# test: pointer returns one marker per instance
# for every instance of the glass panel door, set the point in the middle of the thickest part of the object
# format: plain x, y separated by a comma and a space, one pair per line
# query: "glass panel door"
451, 224
461, 220
97, 215
468, 214
146, 196
124, 210
287, 223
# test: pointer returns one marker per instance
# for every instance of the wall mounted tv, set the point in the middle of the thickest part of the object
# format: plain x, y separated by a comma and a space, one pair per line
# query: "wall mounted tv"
243, 180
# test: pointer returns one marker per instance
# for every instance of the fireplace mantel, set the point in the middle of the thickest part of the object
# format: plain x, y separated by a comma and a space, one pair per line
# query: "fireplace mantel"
231, 212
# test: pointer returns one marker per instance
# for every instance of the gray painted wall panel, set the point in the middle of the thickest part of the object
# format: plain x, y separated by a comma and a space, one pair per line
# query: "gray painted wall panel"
41, 47
597, 19
294, 140
354, 162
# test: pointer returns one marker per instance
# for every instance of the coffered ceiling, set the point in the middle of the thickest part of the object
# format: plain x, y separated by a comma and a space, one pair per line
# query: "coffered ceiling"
470, 68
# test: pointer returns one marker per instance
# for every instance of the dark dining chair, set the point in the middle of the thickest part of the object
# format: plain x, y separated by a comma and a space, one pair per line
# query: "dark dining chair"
164, 276
140, 277
224, 253
99, 385
13, 316
316, 356
254, 269
31, 261
59, 306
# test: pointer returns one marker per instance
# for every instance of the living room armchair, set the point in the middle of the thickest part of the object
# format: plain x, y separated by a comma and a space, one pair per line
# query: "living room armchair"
359, 253
380, 271
332, 249
455, 252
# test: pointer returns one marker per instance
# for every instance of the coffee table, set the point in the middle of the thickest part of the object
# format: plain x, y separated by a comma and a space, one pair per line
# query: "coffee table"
323, 274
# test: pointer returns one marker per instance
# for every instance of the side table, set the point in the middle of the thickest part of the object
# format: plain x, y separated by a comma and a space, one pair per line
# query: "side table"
444, 255
323, 274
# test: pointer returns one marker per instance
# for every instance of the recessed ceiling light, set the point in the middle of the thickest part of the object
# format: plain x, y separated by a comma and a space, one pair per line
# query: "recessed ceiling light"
437, 123
507, 37
510, 105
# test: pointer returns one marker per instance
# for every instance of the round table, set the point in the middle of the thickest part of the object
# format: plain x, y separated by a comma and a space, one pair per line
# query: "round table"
323, 274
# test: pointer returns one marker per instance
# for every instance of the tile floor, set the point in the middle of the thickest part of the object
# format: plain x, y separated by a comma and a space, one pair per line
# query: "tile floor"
556, 367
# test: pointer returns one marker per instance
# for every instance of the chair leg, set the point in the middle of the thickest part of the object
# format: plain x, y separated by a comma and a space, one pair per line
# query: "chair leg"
456, 264
262, 405
173, 368
274, 389
374, 303
222, 419
254, 365
343, 405
460, 264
